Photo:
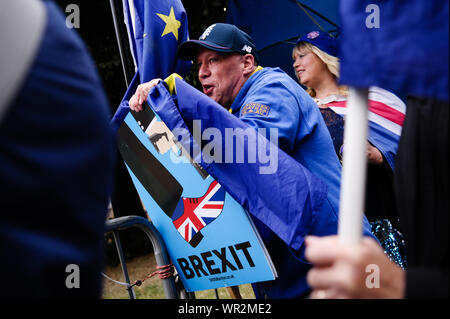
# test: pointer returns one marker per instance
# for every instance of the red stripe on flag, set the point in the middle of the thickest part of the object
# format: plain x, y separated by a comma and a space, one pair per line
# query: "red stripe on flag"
387, 112
186, 232
338, 104
213, 206
188, 213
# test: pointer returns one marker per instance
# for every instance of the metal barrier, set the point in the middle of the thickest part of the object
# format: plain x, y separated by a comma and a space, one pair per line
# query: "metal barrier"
172, 289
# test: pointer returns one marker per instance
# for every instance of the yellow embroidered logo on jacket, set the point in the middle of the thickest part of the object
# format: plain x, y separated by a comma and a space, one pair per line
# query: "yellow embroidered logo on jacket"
256, 108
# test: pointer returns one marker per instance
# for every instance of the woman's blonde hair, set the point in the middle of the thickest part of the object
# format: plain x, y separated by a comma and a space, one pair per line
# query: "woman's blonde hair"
330, 61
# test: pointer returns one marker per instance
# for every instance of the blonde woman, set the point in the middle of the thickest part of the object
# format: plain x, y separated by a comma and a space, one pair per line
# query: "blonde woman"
318, 71
317, 68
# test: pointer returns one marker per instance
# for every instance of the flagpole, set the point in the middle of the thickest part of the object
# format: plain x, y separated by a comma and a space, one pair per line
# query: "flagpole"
354, 167
125, 200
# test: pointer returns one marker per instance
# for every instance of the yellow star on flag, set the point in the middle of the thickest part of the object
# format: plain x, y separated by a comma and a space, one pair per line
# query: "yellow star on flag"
172, 24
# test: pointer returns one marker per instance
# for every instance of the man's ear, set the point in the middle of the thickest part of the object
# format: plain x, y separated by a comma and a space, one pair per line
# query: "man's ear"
249, 64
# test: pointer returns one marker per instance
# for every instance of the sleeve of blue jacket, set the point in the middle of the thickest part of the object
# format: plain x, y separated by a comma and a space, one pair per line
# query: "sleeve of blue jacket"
283, 199
260, 111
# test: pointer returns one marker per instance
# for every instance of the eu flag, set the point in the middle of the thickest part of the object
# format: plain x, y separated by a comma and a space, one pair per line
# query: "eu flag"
156, 28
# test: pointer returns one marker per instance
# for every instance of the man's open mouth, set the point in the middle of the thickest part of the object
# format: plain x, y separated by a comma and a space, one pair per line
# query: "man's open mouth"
207, 89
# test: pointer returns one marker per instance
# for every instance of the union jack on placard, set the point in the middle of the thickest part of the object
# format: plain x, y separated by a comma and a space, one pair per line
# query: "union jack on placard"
192, 214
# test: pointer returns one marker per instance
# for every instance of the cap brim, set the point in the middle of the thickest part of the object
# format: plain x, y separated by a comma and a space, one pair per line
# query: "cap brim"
188, 49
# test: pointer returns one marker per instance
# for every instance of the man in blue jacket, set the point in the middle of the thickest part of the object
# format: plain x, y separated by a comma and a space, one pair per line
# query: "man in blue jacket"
268, 98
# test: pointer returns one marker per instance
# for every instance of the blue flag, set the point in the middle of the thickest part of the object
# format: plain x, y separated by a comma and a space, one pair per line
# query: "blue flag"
156, 29
284, 199
286, 203
401, 46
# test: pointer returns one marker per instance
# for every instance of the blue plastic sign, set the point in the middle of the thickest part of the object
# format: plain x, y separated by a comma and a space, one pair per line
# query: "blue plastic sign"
210, 238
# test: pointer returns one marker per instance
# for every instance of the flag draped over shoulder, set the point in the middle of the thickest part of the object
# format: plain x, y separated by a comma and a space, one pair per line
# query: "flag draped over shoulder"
283, 199
401, 46
155, 30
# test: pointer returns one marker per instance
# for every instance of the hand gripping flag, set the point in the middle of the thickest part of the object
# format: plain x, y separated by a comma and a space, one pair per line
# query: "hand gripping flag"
284, 201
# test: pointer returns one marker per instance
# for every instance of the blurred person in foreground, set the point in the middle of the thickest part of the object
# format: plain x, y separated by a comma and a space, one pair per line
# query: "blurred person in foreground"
56, 157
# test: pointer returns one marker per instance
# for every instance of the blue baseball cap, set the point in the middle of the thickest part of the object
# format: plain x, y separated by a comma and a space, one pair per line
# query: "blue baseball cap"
219, 37
322, 40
